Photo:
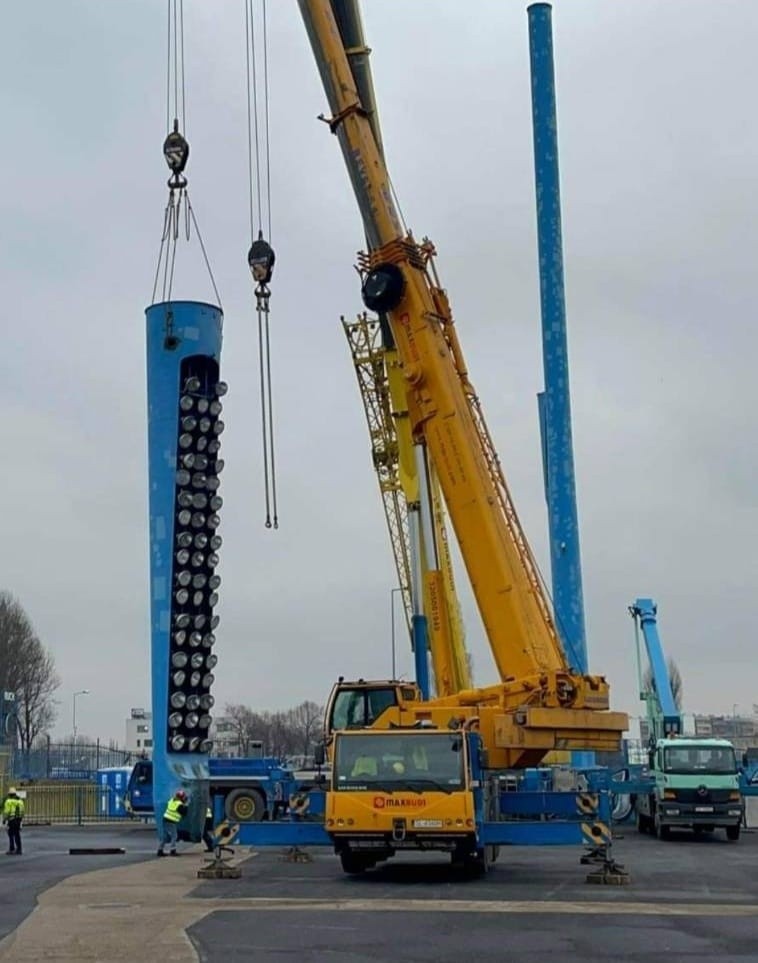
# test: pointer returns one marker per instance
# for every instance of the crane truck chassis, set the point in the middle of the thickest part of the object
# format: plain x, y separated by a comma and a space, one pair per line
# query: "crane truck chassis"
428, 789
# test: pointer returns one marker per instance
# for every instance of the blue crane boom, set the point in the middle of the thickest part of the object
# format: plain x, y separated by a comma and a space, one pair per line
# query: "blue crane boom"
663, 712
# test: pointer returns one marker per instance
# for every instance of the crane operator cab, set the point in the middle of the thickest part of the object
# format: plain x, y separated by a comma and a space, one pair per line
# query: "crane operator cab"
359, 705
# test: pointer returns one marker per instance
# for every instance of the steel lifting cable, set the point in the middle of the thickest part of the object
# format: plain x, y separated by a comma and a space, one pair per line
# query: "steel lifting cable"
261, 255
176, 153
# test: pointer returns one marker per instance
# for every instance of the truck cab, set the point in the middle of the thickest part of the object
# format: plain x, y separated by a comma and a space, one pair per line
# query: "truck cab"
361, 703
401, 789
696, 786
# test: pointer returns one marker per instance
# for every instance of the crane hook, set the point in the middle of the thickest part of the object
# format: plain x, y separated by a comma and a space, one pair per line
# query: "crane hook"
176, 152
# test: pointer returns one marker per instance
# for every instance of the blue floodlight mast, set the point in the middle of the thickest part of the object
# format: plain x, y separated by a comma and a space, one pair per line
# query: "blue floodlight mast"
183, 356
555, 401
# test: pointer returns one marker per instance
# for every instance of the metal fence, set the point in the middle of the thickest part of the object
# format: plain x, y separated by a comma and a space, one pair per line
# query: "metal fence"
65, 761
47, 804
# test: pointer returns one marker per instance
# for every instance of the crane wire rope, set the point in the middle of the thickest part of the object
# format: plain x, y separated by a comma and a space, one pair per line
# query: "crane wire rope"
176, 153
261, 256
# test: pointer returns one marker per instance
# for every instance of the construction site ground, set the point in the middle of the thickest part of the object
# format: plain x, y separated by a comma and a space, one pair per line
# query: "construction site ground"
689, 900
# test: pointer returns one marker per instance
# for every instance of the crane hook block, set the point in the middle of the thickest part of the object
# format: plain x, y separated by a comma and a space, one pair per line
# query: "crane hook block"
176, 152
261, 259
383, 288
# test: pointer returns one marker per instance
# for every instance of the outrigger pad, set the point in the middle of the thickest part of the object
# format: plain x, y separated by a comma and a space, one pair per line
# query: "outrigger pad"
219, 867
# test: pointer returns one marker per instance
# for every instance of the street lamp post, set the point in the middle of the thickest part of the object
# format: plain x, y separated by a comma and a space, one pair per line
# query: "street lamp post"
80, 692
392, 624
734, 720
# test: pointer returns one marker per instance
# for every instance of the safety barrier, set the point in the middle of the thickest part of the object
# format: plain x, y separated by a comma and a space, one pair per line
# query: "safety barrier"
69, 803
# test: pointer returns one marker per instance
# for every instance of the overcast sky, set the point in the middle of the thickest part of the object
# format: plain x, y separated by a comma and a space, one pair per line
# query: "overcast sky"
659, 153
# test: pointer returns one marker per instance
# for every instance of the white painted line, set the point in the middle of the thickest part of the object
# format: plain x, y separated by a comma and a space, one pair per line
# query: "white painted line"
555, 907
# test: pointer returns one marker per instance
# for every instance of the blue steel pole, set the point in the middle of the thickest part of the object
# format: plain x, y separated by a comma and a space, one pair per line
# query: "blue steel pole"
555, 401
182, 337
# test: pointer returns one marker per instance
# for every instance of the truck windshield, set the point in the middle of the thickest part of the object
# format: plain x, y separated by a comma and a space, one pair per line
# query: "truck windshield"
713, 760
399, 761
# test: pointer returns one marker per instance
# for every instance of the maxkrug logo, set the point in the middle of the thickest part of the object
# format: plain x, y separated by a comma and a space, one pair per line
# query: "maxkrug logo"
381, 802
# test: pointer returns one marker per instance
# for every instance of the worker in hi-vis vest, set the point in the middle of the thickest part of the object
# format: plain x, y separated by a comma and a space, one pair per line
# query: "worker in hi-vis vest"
13, 814
176, 808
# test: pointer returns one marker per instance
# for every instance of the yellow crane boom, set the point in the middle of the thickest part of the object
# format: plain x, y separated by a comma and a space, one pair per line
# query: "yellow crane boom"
540, 704
382, 389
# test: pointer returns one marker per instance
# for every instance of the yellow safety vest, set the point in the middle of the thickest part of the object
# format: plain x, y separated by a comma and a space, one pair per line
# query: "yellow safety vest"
13, 808
172, 811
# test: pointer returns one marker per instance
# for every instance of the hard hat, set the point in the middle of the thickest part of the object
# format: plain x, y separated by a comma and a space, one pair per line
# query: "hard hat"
12, 791
181, 794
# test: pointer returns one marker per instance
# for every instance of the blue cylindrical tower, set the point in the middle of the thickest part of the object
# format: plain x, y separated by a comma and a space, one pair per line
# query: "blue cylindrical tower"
184, 428
555, 401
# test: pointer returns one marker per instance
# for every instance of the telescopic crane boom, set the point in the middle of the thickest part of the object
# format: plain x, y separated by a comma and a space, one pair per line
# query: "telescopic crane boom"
399, 281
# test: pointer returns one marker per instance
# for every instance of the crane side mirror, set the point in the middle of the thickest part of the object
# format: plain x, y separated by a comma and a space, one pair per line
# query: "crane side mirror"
319, 753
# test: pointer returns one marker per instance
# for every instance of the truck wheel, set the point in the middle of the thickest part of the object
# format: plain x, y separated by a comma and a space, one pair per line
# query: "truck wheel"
642, 823
733, 833
662, 832
354, 865
244, 806
477, 864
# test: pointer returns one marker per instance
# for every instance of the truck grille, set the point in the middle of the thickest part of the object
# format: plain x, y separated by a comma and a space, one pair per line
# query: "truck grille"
699, 796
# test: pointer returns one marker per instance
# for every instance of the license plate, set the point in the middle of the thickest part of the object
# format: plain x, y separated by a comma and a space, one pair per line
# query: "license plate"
703, 809
427, 824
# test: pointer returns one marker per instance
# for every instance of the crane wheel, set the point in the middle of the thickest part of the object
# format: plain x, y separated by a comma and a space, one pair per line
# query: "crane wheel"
244, 806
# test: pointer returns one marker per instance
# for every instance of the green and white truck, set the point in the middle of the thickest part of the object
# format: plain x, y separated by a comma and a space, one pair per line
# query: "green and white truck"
692, 783
696, 786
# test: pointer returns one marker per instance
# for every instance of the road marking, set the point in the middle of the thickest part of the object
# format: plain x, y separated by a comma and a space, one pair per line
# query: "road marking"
488, 906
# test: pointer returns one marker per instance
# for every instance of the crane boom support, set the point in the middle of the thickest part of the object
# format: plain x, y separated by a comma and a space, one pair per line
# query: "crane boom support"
444, 409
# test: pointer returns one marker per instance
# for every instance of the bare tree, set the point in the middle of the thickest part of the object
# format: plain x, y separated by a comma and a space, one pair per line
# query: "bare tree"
288, 733
246, 725
27, 669
306, 721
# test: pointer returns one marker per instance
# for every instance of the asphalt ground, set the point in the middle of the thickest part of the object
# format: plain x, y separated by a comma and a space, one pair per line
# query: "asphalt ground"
689, 900
46, 861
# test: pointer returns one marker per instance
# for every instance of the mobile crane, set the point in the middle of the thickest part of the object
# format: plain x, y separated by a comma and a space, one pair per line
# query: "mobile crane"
693, 783
410, 771
539, 700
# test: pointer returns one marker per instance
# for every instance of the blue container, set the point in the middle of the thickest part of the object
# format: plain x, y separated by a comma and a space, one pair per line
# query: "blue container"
112, 783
